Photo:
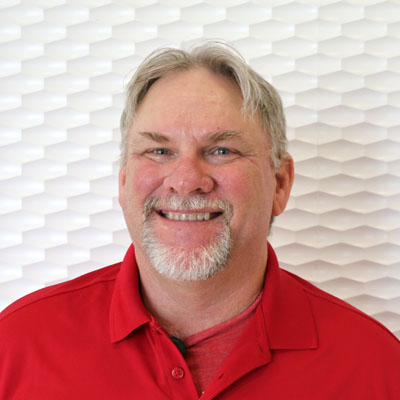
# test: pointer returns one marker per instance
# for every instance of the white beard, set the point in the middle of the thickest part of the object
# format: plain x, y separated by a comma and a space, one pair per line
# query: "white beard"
180, 263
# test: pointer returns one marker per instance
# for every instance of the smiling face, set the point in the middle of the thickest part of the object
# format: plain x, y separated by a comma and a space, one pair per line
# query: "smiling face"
198, 178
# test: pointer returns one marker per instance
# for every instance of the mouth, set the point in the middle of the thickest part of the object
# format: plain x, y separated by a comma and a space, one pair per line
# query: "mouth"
189, 216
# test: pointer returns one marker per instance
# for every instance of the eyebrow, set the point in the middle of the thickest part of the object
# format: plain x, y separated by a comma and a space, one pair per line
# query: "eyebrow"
219, 136
155, 137
214, 137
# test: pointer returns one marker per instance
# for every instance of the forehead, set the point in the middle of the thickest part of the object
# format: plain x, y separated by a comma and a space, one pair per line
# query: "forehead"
188, 94
199, 81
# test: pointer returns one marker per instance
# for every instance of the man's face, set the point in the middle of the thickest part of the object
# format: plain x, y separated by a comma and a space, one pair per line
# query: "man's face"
198, 175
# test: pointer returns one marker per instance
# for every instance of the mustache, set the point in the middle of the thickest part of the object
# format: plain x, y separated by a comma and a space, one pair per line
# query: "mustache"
193, 203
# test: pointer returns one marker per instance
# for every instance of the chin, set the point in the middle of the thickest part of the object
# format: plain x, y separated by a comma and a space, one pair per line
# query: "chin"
183, 264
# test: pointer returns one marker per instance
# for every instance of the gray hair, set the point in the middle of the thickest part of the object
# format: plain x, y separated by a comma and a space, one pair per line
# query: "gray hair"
258, 95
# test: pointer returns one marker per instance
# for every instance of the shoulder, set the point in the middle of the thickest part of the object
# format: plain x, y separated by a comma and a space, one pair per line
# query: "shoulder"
63, 292
354, 352
339, 321
55, 323
351, 343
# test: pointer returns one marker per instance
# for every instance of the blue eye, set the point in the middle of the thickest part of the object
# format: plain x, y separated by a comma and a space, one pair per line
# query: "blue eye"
222, 151
161, 152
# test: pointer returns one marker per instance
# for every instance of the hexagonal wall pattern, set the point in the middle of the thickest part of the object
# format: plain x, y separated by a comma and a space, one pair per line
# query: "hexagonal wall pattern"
63, 66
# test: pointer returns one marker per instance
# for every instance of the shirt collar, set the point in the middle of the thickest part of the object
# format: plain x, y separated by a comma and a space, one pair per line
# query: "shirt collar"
286, 308
127, 311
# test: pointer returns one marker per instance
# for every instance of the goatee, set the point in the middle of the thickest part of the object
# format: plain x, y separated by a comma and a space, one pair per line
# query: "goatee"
180, 263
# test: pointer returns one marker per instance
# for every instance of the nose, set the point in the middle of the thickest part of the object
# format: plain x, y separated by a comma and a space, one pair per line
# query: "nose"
187, 177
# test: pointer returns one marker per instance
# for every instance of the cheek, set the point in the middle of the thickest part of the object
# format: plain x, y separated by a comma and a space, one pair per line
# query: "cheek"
251, 193
140, 182
145, 178
247, 184
235, 187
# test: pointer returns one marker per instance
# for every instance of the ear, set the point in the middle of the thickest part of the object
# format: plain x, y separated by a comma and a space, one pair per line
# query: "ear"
121, 185
284, 176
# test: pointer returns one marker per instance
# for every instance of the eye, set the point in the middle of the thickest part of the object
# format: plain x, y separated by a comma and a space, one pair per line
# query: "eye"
222, 155
222, 151
160, 152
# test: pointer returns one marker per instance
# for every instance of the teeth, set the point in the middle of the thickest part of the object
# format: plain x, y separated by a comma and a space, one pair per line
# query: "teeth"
187, 217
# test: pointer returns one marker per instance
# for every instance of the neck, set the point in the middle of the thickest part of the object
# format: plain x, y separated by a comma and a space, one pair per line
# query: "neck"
185, 308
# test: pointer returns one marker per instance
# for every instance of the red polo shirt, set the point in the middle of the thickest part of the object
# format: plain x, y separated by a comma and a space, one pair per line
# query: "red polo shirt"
92, 338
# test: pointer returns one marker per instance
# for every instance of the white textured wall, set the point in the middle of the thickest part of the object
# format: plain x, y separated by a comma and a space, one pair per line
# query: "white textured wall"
63, 64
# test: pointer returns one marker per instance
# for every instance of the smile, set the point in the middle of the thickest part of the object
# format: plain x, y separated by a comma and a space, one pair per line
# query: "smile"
193, 216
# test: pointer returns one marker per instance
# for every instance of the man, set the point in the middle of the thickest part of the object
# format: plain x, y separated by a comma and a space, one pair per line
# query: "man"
199, 306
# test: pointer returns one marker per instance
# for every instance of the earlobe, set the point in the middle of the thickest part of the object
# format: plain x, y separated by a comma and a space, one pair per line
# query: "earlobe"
284, 180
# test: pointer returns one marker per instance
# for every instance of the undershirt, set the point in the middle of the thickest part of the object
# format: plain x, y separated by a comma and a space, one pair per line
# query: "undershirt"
207, 350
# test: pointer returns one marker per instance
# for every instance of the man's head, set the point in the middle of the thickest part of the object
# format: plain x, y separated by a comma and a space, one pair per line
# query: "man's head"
198, 185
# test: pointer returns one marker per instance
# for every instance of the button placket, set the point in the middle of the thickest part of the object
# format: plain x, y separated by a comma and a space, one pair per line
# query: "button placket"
179, 378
